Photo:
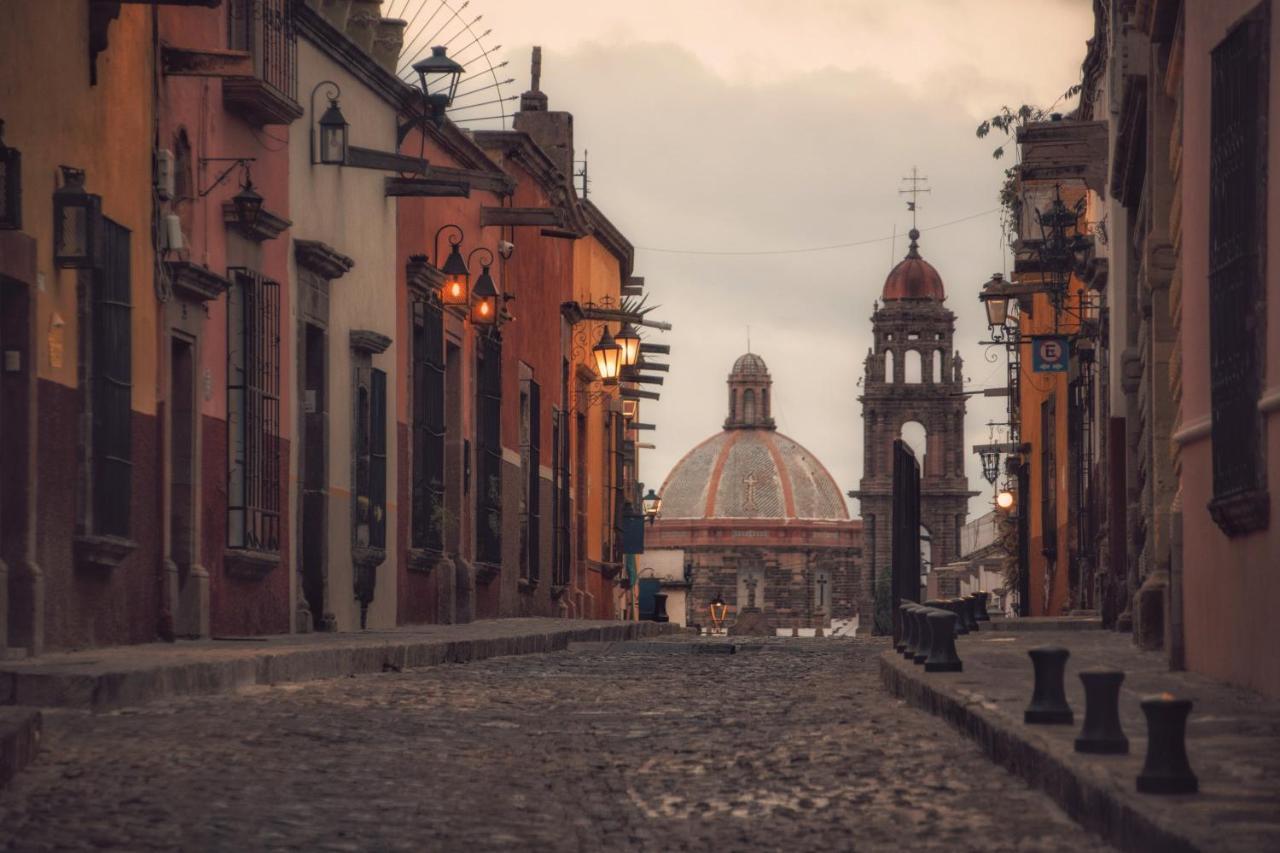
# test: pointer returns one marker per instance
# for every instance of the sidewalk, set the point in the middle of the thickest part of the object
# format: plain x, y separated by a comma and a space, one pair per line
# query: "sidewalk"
119, 676
1233, 740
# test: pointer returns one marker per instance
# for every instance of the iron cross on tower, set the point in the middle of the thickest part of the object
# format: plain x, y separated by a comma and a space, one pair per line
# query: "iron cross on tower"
914, 189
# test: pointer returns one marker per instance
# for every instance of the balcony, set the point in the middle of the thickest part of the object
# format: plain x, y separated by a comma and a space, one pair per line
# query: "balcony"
263, 29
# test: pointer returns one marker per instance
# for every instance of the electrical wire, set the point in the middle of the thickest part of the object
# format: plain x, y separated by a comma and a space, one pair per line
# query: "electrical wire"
832, 247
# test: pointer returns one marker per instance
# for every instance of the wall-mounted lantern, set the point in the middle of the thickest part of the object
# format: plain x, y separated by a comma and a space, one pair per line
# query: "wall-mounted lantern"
10, 185
630, 408
652, 505
457, 277
629, 339
484, 296
438, 77
990, 456
329, 143
996, 303
77, 222
608, 356
248, 202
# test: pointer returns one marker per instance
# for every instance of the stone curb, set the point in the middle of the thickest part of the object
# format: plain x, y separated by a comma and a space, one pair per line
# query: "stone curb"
1089, 794
20, 730
124, 687
1046, 623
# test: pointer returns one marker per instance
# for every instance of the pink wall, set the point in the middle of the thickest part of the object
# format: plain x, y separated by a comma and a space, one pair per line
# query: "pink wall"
1232, 585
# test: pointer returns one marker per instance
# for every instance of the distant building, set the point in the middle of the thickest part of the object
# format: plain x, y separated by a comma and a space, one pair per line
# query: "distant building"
760, 521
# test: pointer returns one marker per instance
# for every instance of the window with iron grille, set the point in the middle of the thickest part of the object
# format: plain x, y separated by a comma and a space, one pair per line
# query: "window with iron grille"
530, 498
560, 495
371, 458
253, 411
489, 449
428, 426
110, 385
1048, 477
265, 30
1237, 260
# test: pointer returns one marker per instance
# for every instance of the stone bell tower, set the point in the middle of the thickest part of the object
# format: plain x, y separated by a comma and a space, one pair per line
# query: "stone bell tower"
912, 382
749, 388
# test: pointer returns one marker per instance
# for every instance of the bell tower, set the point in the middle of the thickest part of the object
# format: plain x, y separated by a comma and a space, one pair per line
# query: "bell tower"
750, 387
912, 384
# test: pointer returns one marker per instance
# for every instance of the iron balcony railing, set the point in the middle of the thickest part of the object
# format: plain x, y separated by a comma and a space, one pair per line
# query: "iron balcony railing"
265, 30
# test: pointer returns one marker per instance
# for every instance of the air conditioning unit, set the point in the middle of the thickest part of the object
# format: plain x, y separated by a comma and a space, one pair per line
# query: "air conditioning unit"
164, 174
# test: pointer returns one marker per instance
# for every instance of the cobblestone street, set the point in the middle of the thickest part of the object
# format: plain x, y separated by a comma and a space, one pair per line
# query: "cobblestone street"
632, 746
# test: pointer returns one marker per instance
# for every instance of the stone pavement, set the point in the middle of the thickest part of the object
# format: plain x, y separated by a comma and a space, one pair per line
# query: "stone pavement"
119, 676
790, 744
1233, 740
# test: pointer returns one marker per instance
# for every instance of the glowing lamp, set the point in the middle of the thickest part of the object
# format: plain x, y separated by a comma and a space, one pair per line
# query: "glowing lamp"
629, 340
484, 307
608, 356
1005, 500
457, 278
996, 303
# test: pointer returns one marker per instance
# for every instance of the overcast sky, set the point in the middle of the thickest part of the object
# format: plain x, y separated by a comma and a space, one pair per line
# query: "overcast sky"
748, 125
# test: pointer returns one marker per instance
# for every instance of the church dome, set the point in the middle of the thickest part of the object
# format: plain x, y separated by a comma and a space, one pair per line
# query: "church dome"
750, 470
913, 277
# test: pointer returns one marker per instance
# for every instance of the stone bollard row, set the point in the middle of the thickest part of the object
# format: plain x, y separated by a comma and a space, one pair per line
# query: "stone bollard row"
1166, 769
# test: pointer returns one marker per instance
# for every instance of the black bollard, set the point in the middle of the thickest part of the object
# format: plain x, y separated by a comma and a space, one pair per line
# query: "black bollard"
1049, 699
660, 608
955, 606
1167, 770
908, 630
942, 643
980, 606
967, 603
904, 626
923, 637
1101, 732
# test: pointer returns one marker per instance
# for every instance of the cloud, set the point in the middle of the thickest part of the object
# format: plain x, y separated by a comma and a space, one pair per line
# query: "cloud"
750, 126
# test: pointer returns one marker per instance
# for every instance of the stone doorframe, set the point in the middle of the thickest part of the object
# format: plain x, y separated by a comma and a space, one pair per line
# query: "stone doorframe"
318, 266
21, 579
186, 579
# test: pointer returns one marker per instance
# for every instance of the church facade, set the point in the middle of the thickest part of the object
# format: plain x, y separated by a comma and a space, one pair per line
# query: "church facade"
761, 523
912, 388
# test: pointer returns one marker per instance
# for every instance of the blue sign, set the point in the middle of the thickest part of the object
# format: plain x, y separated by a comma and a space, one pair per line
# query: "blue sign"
1050, 354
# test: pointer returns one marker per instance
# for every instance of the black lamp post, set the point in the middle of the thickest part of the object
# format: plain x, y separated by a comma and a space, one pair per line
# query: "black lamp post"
438, 77
457, 277
10, 184
77, 222
331, 148
608, 357
484, 296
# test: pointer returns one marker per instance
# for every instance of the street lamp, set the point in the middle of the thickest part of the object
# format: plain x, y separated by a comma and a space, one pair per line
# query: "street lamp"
996, 303
990, 463
608, 357
717, 612
77, 222
456, 275
629, 339
652, 505
438, 77
248, 203
484, 296
1005, 500
332, 147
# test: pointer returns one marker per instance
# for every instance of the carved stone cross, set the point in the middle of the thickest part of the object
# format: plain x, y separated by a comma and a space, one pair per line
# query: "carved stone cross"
750, 483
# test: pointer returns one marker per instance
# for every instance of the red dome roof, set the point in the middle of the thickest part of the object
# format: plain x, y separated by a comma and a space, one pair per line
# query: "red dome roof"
914, 277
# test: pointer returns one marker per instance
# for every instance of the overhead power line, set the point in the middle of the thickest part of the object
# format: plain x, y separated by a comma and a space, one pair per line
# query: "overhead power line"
813, 248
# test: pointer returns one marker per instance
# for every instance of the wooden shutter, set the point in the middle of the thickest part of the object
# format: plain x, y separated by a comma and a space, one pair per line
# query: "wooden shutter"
378, 458
112, 387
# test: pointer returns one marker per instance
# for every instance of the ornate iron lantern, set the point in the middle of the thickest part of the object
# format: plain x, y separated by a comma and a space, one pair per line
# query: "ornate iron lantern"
996, 303
990, 463
248, 202
457, 277
332, 147
629, 339
10, 185
77, 222
608, 357
438, 77
652, 505
484, 296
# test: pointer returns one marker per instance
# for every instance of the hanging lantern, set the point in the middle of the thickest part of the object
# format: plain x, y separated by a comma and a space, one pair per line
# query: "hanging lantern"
248, 203
77, 222
438, 77
652, 505
996, 303
10, 184
333, 135
484, 299
629, 339
457, 278
608, 357
990, 463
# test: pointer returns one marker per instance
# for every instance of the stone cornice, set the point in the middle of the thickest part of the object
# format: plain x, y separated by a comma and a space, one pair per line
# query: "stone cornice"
195, 283
321, 258
387, 86
268, 225
368, 341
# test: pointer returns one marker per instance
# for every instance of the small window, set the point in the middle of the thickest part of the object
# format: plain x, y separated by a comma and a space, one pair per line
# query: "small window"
913, 336
913, 366
888, 366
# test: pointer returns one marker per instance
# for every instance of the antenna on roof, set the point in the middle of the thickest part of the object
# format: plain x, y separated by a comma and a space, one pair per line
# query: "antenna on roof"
584, 174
